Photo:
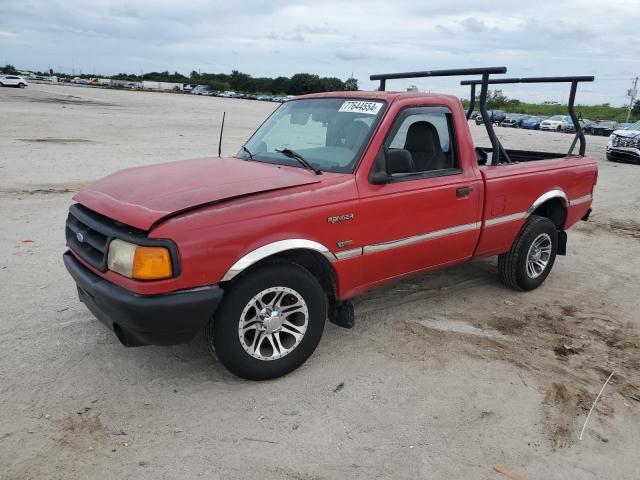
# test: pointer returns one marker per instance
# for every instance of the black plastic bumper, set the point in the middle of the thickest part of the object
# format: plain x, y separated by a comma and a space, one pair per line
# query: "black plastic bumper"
623, 155
166, 319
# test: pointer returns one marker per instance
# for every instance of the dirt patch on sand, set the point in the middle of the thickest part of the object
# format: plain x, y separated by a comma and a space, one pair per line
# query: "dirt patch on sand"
69, 100
43, 189
623, 228
55, 140
570, 352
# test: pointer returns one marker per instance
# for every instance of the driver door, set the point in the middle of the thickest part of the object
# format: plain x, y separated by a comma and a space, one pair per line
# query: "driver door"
426, 217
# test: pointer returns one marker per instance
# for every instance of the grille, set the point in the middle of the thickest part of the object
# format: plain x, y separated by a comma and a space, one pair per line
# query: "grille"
88, 234
625, 142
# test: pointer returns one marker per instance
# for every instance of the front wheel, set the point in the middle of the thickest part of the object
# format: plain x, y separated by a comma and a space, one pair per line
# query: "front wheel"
21, 85
531, 257
270, 321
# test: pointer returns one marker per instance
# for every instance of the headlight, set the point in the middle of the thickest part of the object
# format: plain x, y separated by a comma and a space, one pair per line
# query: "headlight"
139, 262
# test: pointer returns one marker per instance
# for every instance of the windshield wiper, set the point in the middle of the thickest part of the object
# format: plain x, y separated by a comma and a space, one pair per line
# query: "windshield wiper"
247, 151
293, 154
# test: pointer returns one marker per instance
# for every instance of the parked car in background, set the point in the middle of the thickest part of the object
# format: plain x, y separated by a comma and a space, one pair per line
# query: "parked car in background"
555, 122
264, 98
569, 128
12, 81
228, 94
531, 123
624, 144
602, 128
474, 114
495, 116
513, 120
200, 90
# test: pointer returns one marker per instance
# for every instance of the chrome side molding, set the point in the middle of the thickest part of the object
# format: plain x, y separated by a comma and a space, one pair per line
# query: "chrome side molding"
543, 198
577, 201
380, 247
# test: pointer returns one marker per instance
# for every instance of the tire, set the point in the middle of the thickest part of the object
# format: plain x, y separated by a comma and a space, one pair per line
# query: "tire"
290, 282
611, 158
514, 268
21, 85
559, 129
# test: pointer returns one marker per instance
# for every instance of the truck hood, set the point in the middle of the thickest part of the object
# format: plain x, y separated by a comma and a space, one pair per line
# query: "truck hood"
143, 196
627, 133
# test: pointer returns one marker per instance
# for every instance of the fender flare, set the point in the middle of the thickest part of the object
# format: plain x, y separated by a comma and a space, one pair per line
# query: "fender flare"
546, 197
273, 248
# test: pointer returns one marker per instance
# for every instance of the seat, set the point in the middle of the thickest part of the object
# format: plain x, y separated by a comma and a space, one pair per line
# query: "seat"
423, 143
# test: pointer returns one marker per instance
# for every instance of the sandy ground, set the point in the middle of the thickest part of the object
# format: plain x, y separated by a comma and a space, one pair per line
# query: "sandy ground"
446, 375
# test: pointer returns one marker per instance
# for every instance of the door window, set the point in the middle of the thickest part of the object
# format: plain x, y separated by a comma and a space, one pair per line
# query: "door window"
426, 133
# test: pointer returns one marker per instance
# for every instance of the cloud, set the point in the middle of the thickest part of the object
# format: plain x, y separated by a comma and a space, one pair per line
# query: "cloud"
351, 56
474, 25
124, 11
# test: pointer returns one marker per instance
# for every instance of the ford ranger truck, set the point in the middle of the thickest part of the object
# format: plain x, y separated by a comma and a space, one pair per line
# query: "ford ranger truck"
334, 194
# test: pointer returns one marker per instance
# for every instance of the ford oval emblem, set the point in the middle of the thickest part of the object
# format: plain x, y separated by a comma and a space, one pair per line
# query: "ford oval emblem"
80, 237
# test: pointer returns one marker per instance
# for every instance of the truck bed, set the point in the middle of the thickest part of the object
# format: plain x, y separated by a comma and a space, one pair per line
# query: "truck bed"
511, 188
517, 155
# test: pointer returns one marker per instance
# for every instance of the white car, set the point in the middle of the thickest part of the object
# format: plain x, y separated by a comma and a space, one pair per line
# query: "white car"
624, 144
12, 81
556, 123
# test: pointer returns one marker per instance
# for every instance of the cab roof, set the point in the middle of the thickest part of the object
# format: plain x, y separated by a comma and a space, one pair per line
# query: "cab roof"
389, 97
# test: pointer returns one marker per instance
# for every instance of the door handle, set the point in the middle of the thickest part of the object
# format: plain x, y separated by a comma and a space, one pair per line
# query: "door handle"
463, 192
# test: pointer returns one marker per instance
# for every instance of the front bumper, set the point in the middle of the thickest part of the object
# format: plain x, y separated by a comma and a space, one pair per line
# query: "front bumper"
165, 319
623, 154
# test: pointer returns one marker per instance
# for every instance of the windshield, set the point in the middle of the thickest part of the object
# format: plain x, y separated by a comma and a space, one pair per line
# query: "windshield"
633, 126
329, 133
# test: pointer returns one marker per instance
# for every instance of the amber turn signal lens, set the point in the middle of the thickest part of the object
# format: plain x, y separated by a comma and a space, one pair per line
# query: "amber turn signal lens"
151, 263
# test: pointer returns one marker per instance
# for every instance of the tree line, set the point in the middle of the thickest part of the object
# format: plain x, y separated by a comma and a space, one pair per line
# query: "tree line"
497, 100
298, 84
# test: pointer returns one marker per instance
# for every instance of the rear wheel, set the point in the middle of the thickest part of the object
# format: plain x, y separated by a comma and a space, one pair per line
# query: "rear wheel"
270, 321
531, 257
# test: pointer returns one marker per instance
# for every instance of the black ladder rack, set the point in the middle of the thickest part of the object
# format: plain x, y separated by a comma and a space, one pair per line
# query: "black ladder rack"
574, 80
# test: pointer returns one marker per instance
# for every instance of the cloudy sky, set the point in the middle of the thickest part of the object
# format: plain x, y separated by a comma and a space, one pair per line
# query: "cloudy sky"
334, 38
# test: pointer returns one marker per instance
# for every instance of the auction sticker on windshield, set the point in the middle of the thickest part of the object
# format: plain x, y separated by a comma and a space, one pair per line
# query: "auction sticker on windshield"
357, 106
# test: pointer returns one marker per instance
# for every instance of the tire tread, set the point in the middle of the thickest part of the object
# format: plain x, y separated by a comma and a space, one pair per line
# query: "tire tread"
508, 262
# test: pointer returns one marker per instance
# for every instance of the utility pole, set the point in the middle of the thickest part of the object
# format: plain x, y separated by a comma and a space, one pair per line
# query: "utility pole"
633, 93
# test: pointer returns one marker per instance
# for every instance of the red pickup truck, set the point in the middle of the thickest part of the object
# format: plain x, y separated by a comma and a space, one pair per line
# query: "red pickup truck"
334, 194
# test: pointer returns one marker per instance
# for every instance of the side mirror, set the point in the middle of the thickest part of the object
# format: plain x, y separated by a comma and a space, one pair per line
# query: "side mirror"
395, 161
398, 160
379, 178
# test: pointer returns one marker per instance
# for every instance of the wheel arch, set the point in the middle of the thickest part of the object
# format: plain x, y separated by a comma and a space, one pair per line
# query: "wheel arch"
309, 254
552, 205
